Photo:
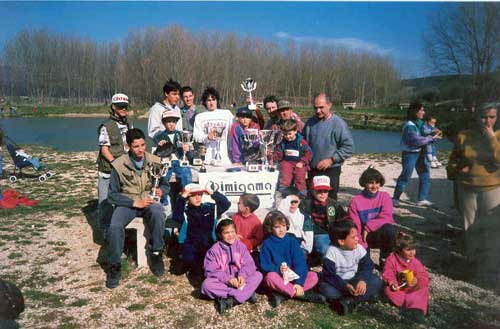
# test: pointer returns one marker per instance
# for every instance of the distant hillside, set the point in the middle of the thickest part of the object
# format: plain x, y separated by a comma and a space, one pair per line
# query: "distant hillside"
437, 82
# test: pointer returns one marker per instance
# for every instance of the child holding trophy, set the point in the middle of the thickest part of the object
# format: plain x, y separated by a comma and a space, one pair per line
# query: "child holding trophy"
407, 281
244, 147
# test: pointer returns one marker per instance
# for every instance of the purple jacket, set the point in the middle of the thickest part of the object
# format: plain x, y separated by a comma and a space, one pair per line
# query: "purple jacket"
370, 212
225, 262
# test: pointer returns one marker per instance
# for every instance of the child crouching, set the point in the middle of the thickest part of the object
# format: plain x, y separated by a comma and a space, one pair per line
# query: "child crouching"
411, 295
281, 253
347, 276
231, 275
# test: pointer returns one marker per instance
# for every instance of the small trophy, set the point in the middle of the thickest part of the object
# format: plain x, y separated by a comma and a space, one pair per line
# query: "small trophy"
219, 132
166, 162
187, 138
250, 137
203, 151
266, 138
249, 85
157, 171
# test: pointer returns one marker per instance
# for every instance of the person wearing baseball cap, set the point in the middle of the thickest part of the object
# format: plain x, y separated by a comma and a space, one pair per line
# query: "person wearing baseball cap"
323, 210
242, 152
171, 95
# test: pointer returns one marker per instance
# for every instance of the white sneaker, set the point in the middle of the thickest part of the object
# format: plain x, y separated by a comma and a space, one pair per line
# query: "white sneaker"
424, 203
395, 203
434, 164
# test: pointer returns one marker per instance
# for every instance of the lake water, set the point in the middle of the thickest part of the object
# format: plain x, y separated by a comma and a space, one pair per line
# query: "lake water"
80, 134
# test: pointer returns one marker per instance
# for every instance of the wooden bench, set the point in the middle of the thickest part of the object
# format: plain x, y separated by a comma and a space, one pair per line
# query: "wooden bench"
404, 106
349, 105
138, 225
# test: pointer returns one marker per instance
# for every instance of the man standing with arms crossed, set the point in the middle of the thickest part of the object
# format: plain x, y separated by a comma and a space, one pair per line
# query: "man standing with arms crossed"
330, 140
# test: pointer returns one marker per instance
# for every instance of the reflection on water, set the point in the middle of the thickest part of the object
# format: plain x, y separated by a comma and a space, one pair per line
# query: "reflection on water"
80, 134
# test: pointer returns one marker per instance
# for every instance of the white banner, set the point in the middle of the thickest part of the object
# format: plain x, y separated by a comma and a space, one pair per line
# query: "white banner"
233, 184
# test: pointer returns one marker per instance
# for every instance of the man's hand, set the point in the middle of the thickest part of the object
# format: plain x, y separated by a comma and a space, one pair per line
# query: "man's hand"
162, 142
211, 134
361, 288
157, 191
299, 291
141, 204
233, 282
324, 164
299, 165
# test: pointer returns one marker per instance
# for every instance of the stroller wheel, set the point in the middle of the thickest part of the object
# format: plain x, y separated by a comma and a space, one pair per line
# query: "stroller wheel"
49, 174
42, 178
12, 179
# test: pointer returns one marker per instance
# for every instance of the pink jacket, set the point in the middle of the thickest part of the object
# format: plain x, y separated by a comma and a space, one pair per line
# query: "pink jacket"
395, 264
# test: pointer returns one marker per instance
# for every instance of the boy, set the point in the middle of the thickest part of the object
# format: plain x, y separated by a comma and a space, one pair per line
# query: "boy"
295, 155
429, 129
243, 151
199, 220
347, 276
171, 95
189, 110
248, 225
323, 211
169, 142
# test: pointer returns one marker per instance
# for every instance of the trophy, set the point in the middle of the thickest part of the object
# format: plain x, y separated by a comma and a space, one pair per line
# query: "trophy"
269, 138
219, 132
186, 138
166, 162
250, 137
203, 151
249, 85
157, 171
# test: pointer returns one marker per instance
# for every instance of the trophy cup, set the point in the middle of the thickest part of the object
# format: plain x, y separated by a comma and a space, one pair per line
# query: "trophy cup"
166, 162
249, 85
157, 171
217, 159
186, 138
250, 137
203, 151
276, 138
266, 139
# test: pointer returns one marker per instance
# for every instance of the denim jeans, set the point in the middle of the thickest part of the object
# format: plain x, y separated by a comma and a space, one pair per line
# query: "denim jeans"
1, 161
321, 243
154, 220
373, 287
410, 161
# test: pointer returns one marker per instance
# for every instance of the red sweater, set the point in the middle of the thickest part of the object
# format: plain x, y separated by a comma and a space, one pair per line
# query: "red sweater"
250, 228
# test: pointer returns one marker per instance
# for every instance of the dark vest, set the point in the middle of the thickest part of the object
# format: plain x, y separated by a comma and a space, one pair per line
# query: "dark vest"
116, 147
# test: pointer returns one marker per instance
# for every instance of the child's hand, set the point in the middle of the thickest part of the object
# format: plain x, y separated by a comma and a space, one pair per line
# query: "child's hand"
185, 193
237, 164
394, 287
283, 269
233, 282
351, 289
299, 291
299, 165
162, 142
361, 288
365, 234
185, 147
241, 281
239, 237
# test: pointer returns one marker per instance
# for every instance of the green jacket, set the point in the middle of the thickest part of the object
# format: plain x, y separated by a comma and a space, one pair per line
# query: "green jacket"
116, 148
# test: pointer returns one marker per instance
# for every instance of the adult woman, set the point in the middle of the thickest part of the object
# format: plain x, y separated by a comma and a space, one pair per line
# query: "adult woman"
412, 156
212, 125
475, 166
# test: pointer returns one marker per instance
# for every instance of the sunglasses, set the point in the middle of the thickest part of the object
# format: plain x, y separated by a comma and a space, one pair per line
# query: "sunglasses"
294, 201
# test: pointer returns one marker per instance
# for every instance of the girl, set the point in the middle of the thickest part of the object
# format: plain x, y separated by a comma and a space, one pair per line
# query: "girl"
371, 211
280, 253
412, 296
231, 275
300, 224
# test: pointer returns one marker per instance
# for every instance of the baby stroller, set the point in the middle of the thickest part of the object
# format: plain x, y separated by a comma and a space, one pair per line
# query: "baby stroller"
23, 160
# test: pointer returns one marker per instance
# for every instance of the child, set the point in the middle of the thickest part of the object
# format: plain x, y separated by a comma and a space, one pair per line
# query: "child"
300, 224
248, 225
280, 253
429, 129
371, 211
413, 297
169, 142
198, 219
231, 275
35, 162
323, 211
347, 276
243, 151
295, 155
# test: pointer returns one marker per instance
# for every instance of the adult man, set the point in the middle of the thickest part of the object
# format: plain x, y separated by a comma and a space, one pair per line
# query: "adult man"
271, 106
171, 94
189, 111
330, 140
131, 183
276, 116
285, 113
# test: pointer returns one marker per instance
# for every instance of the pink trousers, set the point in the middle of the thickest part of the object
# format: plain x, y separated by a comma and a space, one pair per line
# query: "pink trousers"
274, 282
418, 298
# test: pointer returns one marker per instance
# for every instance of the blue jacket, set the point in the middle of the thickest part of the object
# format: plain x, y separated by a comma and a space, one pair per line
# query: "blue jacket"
275, 251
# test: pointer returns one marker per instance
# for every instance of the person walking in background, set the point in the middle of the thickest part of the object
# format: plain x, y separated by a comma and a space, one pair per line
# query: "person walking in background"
413, 157
330, 140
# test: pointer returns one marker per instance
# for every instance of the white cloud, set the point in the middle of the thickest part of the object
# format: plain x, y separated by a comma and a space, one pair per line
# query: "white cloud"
349, 43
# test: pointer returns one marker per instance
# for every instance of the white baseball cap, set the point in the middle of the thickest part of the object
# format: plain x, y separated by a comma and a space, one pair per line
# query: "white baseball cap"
321, 183
120, 100
170, 114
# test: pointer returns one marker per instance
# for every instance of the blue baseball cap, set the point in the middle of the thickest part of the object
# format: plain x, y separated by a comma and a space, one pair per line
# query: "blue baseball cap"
244, 112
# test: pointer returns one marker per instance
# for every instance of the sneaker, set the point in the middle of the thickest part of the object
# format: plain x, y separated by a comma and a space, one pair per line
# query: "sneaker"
113, 276
395, 203
276, 299
157, 266
224, 304
424, 203
253, 299
313, 297
344, 306
434, 164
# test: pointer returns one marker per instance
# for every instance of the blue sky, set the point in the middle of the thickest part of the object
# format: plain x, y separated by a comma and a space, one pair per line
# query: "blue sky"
389, 28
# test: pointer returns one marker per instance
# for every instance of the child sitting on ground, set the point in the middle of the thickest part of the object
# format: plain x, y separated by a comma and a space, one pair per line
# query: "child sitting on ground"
169, 145
248, 225
243, 151
280, 254
198, 219
412, 296
372, 213
300, 224
429, 129
231, 275
323, 211
294, 155
347, 276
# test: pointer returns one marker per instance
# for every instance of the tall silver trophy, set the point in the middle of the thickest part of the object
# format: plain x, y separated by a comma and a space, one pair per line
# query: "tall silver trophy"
219, 132
187, 138
250, 138
269, 139
157, 171
249, 85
